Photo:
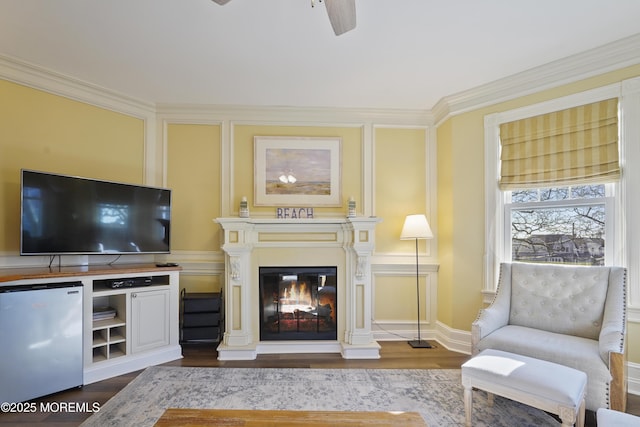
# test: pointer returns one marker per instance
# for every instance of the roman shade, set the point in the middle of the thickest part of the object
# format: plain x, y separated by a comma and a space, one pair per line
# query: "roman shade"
578, 145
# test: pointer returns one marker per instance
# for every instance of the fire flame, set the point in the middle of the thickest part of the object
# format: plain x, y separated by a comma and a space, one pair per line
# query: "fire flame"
296, 297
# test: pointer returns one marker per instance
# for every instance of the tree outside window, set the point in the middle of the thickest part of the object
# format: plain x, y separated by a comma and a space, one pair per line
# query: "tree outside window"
558, 225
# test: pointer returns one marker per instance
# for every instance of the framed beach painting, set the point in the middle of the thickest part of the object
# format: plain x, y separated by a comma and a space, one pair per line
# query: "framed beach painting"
297, 171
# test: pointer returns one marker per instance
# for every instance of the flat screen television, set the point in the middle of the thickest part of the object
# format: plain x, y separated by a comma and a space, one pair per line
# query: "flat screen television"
63, 214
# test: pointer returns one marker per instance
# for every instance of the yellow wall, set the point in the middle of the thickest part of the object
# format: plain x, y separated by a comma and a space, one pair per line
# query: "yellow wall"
400, 190
193, 174
461, 204
633, 347
445, 223
395, 299
461, 219
201, 282
50, 133
400, 184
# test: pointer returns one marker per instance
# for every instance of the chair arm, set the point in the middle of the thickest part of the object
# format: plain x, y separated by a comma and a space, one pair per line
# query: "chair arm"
612, 333
618, 385
496, 315
611, 340
488, 320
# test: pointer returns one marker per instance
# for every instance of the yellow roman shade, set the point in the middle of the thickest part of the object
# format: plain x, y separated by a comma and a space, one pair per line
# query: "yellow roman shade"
578, 145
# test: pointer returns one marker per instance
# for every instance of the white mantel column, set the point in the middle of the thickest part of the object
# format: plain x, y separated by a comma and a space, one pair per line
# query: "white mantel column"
238, 338
358, 338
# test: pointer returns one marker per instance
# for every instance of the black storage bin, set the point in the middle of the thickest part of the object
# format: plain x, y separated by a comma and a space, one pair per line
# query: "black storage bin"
202, 316
208, 334
194, 320
199, 302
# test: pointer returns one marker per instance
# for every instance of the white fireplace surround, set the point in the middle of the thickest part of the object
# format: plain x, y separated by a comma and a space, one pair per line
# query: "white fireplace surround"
250, 243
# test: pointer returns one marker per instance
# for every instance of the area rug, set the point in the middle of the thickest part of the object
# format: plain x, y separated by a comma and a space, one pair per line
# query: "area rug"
435, 393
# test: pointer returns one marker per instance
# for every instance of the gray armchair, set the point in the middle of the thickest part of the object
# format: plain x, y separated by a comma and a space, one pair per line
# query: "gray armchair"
571, 315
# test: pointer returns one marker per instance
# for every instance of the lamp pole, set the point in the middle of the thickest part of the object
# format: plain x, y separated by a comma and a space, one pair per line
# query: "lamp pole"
417, 227
418, 343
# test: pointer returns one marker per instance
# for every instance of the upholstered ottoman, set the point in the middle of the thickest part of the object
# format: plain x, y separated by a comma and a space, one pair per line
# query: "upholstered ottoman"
609, 418
544, 385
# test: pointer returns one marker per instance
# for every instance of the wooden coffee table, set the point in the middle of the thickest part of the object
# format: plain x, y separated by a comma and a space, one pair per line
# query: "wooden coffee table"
266, 418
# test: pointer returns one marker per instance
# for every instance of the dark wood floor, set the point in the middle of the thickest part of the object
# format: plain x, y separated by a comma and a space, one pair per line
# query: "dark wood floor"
394, 355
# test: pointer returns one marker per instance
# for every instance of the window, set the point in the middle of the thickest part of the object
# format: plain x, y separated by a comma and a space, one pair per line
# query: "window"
575, 222
558, 225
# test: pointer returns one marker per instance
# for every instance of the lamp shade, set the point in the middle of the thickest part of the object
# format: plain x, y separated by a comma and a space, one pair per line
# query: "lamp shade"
416, 227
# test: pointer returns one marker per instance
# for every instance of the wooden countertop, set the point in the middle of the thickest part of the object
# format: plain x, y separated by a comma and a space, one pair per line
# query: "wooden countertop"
12, 274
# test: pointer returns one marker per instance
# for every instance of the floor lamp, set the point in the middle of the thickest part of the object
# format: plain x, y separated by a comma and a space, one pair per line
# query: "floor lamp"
417, 227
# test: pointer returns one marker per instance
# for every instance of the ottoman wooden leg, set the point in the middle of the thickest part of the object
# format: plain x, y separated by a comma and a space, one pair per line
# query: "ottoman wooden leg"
569, 415
468, 405
581, 418
489, 399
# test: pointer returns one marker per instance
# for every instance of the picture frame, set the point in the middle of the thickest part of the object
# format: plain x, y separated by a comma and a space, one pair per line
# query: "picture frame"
297, 171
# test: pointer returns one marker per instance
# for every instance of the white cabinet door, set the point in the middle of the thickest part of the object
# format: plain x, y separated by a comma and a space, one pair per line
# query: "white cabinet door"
150, 320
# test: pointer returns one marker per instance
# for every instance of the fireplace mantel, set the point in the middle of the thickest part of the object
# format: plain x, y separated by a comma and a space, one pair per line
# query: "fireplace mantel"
250, 243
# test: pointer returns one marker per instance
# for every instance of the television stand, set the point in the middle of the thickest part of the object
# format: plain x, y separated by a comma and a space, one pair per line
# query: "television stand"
134, 327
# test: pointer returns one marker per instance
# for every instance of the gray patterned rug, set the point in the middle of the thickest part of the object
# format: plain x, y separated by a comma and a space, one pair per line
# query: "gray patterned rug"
435, 393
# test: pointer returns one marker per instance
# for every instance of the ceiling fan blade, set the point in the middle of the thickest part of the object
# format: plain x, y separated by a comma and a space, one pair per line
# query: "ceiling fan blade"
342, 14
222, 2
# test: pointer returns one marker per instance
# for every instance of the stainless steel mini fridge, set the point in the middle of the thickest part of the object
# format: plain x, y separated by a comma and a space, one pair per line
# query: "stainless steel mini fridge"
40, 339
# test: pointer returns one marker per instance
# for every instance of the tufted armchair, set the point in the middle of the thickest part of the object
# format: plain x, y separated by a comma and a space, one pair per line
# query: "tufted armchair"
571, 315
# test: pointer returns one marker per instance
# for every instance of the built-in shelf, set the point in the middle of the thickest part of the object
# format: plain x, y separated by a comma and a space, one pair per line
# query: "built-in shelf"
109, 323
108, 333
145, 328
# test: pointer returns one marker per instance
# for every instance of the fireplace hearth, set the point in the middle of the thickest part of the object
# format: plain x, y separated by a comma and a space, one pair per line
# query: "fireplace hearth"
298, 303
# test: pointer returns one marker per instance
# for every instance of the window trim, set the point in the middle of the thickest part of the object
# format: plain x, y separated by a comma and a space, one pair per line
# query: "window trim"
495, 222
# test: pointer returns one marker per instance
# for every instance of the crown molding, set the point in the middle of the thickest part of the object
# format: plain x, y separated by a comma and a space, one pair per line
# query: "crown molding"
609, 57
329, 116
36, 77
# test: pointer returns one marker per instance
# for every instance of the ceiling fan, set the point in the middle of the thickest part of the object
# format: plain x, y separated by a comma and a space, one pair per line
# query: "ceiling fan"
342, 13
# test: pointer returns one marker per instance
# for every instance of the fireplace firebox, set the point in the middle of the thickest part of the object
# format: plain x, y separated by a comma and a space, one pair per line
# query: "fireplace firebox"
298, 303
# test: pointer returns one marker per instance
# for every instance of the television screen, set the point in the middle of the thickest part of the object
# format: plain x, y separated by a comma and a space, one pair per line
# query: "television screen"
73, 215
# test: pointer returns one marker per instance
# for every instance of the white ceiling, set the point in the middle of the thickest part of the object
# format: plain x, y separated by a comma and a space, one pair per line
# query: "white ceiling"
403, 54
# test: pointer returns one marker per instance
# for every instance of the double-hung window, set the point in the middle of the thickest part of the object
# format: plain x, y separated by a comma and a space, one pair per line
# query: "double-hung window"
553, 183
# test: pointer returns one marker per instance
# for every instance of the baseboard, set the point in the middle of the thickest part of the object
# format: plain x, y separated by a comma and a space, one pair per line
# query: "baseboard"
453, 339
